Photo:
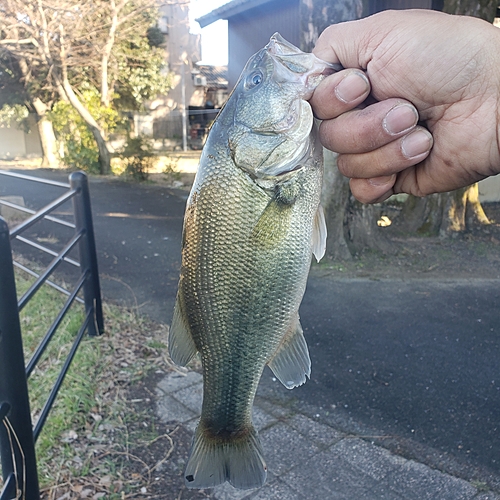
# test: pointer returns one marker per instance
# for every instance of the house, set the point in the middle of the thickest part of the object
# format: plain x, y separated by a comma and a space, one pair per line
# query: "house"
252, 22
212, 81
167, 114
197, 92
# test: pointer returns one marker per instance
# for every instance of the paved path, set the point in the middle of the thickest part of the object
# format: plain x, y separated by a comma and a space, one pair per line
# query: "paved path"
405, 380
310, 459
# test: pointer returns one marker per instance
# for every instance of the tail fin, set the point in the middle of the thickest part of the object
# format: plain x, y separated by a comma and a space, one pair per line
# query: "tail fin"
214, 460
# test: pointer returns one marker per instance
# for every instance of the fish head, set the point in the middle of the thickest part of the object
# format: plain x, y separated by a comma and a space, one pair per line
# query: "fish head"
271, 118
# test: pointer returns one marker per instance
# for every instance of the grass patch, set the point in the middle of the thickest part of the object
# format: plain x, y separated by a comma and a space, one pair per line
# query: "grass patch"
76, 398
84, 449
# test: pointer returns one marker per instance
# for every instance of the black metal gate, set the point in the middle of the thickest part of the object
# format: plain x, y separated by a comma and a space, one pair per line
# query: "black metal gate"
17, 435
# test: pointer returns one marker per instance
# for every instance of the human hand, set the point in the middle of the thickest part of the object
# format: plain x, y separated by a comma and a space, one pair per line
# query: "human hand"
446, 67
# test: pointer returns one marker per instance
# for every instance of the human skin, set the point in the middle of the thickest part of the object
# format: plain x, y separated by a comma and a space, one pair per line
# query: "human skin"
417, 110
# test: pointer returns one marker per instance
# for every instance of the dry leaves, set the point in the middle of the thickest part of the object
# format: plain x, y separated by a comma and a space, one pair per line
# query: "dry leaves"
102, 462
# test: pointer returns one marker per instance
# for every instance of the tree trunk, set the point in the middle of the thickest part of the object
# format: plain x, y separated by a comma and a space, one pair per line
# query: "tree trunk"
363, 230
352, 226
335, 199
106, 52
50, 157
485, 9
474, 210
423, 215
316, 15
445, 214
462, 210
64, 86
104, 156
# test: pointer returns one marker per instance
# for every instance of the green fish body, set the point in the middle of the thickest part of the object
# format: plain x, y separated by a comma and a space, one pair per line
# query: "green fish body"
252, 223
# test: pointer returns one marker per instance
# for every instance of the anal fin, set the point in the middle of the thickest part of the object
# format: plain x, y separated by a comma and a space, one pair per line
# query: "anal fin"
291, 364
181, 345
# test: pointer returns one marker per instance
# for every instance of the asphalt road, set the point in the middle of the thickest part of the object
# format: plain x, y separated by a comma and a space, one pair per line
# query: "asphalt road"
414, 364
138, 237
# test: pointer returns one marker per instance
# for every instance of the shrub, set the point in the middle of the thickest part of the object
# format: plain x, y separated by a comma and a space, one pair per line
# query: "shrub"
80, 149
137, 158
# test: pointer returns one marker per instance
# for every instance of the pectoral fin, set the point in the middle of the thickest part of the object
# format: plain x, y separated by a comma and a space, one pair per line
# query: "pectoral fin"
319, 234
291, 363
272, 225
180, 341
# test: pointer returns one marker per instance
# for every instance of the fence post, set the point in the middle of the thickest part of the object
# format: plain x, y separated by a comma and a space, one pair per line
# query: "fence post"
18, 451
88, 257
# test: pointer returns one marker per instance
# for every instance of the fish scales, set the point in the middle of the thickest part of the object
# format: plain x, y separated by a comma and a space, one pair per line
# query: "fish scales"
248, 240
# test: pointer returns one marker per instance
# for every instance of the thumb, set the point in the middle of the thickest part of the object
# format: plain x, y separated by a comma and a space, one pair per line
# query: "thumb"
355, 43
350, 43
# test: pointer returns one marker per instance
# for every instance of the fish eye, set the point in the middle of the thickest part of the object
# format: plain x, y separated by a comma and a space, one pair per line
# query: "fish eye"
256, 79
253, 80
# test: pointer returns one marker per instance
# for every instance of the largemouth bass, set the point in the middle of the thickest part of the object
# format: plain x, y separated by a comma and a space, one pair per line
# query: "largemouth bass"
252, 223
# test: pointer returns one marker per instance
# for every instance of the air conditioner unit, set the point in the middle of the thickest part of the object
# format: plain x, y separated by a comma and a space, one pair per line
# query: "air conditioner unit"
200, 81
163, 24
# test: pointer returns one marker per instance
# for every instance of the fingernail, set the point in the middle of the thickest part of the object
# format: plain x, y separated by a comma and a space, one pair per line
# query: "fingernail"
416, 143
400, 118
352, 87
382, 180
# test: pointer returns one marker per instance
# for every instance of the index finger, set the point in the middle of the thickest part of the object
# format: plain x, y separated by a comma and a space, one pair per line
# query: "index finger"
339, 93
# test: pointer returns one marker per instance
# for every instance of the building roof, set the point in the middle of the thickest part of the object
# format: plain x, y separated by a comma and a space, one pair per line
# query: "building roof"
228, 10
216, 75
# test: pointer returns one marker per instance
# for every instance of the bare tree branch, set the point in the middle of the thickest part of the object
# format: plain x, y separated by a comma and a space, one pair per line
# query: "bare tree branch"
65, 43
12, 41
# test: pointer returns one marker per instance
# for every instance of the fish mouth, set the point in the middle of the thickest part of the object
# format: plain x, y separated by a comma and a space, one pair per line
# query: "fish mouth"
293, 64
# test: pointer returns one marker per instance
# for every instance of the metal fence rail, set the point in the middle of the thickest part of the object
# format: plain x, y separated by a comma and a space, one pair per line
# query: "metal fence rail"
17, 435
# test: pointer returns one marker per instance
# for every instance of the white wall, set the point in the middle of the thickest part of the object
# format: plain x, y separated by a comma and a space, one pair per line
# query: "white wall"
15, 143
489, 189
12, 143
